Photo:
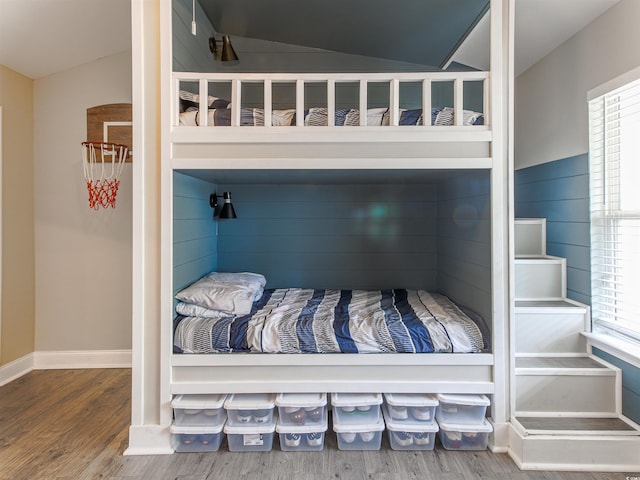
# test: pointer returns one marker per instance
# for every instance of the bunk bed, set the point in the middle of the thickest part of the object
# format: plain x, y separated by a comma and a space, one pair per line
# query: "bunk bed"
200, 141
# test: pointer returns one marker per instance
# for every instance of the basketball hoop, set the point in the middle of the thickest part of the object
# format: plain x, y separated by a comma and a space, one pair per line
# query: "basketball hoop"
101, 173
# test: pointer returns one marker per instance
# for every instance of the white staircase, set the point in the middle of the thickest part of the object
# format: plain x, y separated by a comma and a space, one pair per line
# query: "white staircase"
566, 403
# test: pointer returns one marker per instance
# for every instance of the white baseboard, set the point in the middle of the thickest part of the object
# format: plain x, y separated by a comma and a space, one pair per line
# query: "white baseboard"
82, 359
149, 440
15, 369
64, 360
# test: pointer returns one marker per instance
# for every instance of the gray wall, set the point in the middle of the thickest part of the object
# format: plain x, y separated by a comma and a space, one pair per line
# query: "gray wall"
464, 240
551, 120
332, 236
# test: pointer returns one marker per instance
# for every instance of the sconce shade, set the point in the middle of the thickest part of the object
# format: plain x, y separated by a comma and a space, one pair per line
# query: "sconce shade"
227, 53
227, 210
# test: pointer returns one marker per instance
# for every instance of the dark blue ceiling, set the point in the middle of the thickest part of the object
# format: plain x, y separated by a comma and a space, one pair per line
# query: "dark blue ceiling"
424, 32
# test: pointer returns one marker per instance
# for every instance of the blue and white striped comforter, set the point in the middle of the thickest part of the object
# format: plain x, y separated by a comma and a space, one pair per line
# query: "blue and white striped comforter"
298, 320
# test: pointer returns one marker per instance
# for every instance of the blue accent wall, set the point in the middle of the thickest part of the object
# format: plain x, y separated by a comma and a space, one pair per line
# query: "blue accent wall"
630, 385
464, 240
332, 236
559, 192
194, 231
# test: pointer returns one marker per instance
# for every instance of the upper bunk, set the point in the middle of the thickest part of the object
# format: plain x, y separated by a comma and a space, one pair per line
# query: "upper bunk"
289, 106
222, 115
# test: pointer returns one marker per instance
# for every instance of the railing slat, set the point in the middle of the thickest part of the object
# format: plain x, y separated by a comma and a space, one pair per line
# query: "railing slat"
394, 102
485, 96
300, 103
203, 104
458, 102
236, 102
426, 102
363, 102
362, 79
268, 102
331, 102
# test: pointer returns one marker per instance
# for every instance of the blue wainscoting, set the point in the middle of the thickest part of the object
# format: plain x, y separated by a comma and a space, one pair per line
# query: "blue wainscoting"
194, 231
630, 385
559, 192
332, 236
464, 240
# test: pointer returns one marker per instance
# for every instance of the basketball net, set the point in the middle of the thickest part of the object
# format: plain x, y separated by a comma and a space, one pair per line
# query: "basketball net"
102, 172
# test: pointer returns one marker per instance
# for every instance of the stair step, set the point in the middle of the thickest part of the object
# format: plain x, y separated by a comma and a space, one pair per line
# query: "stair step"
540, 278
550, 327
575, 444
530, 236
571, 384
571, 363
576, 426
562, 304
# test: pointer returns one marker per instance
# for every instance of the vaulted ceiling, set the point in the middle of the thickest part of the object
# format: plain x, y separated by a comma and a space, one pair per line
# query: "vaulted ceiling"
41, 37
425, 32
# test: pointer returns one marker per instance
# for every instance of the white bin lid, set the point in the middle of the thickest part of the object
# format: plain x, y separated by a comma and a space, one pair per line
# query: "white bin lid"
357, 427
408, 426
411, 399
301, 428
355, 399
202, 402
301, 399
250, 429
464, 399
250, 401
484, 427
199, 429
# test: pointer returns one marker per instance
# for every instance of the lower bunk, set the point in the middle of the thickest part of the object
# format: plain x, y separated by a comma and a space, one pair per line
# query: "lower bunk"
234, 336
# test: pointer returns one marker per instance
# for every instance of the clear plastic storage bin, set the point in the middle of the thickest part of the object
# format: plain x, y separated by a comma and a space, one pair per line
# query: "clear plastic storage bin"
417, 435
411, 407
465, 437
198, 410
251, 409
357, 408
304, 438
198, 439
298, 409
461, 409
250, 438
365, 436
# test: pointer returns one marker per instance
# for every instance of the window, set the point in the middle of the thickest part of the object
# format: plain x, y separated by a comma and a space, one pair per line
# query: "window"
614, 164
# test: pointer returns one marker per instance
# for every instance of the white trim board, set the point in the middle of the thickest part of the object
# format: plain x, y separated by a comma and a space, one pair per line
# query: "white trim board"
149, 440
71, 359
16, 369
82, 359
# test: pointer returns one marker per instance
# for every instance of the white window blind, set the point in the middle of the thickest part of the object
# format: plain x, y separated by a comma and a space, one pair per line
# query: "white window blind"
614, 163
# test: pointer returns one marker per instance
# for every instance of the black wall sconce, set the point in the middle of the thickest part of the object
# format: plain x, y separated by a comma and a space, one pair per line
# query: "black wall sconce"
226, 209
226, 53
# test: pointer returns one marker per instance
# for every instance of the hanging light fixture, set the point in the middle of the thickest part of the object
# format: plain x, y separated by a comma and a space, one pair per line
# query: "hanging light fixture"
224, 54
193, 18
227, 210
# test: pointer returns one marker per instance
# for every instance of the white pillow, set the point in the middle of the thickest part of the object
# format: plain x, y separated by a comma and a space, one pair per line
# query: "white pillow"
191, 310
232, 293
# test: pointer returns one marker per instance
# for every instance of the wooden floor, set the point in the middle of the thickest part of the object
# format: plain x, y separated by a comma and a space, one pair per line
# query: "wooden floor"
73, 424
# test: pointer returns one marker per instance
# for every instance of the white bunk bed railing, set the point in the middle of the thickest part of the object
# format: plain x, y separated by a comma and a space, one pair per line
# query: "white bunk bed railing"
236, 83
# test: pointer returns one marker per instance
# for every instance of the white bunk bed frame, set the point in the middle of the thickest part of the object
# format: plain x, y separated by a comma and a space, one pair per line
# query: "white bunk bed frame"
453, 147
158, 374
